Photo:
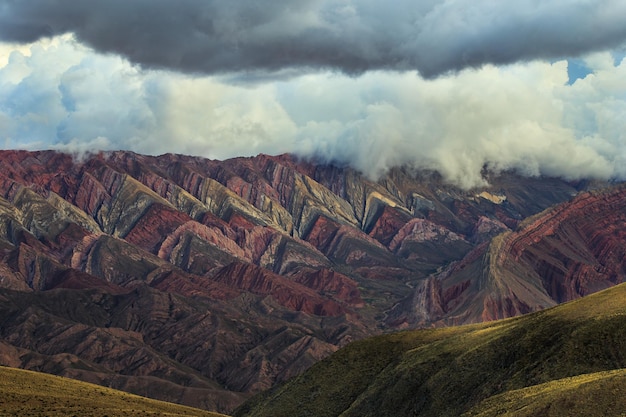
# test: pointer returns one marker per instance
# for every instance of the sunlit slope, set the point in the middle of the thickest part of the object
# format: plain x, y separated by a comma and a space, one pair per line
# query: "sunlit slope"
447, 372
598, 394
26, 393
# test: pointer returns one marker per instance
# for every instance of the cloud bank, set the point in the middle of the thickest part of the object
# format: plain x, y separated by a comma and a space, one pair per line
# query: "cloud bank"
282, 37
526, 116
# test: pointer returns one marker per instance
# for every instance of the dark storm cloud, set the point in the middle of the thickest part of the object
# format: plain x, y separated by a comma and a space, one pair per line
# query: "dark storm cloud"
217, 36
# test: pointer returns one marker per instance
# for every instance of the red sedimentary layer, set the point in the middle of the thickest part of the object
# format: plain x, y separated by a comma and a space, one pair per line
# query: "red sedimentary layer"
287, 293
330, 282
155, 226
388, 224
576, 248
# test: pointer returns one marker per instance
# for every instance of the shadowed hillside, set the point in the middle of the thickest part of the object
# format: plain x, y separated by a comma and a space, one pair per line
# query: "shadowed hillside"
483, 369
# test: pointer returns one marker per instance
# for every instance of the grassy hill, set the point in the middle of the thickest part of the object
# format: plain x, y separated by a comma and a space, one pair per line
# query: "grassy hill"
26, 393
515, 366
591, 395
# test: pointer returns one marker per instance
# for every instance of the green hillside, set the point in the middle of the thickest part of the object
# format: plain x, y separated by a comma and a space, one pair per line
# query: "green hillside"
26, 393
471, 369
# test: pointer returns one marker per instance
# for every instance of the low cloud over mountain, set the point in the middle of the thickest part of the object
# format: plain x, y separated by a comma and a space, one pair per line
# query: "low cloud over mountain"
443, 85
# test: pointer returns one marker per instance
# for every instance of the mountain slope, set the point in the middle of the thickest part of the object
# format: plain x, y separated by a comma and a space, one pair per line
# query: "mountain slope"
566, 252
34, 394
204, 282
446, 372
598, 394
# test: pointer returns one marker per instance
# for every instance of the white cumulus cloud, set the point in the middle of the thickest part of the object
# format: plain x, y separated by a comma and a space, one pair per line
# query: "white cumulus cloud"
60, 94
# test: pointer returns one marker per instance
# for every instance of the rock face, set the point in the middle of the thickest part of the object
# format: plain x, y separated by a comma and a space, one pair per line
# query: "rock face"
203, 281
564, 253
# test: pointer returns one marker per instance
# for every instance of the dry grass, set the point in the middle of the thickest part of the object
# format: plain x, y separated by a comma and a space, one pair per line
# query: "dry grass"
26, 393
598, 394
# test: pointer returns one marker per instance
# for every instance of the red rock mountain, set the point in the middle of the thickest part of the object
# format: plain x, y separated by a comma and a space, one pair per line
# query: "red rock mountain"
564, 253
203, 282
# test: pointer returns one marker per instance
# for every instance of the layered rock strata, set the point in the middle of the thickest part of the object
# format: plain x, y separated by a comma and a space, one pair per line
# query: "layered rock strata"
204, 281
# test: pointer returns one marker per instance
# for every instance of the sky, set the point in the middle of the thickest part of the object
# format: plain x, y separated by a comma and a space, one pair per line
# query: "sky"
454, 86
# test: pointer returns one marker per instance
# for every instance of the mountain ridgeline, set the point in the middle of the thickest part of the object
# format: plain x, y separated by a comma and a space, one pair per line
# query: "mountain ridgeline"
203, 282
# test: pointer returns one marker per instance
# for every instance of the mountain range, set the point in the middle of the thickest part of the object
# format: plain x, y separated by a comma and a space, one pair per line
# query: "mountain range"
203, 282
